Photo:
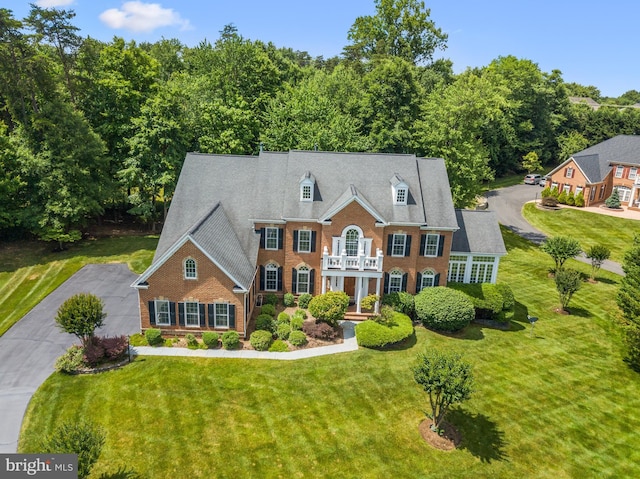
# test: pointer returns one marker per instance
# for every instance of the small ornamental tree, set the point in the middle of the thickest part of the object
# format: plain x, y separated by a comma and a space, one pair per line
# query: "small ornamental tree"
568, 281
614, 200
329, 307
561, 248
81, 315
81, 438
598, 254
446, 378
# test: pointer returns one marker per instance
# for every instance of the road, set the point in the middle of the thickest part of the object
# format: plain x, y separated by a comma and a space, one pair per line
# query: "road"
29, 349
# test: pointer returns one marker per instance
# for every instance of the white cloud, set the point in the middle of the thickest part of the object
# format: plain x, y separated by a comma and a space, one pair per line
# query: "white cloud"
142, 17
54, 3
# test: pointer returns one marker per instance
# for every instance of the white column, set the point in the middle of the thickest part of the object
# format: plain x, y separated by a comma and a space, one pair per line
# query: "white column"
377, 308
358, 294
324, 284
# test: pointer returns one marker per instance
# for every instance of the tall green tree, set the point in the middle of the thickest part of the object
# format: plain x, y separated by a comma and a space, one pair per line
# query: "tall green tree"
570, 143
400, 28
629, 302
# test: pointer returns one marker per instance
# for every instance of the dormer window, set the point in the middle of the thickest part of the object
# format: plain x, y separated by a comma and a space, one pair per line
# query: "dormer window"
399, 189
307, 183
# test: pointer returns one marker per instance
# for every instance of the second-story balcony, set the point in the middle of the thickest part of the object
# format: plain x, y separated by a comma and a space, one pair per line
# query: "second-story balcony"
352, 263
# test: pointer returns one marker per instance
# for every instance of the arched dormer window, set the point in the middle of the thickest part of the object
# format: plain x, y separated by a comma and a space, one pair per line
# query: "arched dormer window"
307, 184
399, 190
190, 269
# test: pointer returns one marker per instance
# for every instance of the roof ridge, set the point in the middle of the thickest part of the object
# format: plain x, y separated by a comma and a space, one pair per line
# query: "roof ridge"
204, 218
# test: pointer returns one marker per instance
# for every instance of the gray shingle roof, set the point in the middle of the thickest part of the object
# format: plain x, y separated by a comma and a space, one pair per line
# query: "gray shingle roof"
479, 233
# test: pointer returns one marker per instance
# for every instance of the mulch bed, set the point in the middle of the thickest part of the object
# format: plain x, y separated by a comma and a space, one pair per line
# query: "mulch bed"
448, 441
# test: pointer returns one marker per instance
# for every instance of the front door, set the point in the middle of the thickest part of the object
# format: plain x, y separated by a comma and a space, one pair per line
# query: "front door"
350, 287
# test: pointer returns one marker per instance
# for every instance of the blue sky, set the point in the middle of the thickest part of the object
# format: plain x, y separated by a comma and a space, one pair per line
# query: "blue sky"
592, 43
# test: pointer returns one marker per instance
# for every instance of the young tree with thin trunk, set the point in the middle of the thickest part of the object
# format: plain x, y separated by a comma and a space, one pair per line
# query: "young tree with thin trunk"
598, 254
561, 248
568, 281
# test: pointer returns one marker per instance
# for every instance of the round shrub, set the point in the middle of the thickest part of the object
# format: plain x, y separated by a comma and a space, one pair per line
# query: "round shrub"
508, 300
283, 331
579, 200
444, 309
296, 322
192, 342
153, 336
284, 318
297, 338
279, 346
372, 334
329, 307
301, 313
265, 322
210, 339
71, 360
303, 300
402, 302
269, 309
261, 340
230, 340
320, 330
271, 298
289, 300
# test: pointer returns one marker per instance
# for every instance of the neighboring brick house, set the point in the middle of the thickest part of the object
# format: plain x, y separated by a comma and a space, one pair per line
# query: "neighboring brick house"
240, 227
599, 169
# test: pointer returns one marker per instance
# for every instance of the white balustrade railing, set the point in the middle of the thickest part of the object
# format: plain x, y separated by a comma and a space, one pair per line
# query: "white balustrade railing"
352, 263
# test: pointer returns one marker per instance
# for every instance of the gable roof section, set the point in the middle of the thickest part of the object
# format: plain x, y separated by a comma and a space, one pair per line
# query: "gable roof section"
479, 233
351, 194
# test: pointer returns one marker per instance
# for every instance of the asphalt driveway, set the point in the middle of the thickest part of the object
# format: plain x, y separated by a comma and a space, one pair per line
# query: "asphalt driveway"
29, 349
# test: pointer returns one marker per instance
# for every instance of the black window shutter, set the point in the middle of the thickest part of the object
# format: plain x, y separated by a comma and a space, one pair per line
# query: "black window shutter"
212, 320
279, 288
294, 280
423, 244
312, 278
405, 278
407, 246
181, 314
261, 232
172, 313
389, 244
280, 238
441, 245
262, 278
152, 312
203, 321
436, 280
419, 283
386, 282
295, 240
313, 241
232, 316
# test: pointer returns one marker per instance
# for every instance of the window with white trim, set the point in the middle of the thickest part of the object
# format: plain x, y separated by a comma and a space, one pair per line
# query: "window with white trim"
601, 191
579, 190
566, 188
457, 267
221, 315
304, 241
271, 277
271, 238
399, 242
624, 193
619, 171
192, 313
401, 196
190, 270
302, 280
554, 184
481, 269
395, 281
633, 172
569, 172
163, 316
306, 193
431, 245
352, 238
428, 279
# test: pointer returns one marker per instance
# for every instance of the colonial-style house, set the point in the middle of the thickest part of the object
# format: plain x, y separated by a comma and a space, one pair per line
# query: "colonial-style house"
599, 169
241, 227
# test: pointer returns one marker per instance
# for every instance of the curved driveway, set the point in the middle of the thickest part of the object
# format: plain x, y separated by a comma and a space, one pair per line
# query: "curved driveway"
29, 349
508, 203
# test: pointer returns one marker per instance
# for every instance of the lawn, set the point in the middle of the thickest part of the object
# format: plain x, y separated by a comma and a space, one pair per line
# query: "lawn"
29, 271
588, 228
560, 404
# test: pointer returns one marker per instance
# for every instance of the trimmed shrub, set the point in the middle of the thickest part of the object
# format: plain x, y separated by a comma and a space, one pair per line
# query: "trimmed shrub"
269, 309
509, 300
562, 198
402, 302
210, 338
550, 201
554, 192
444, 309
284, 318
369, 302
303, 300
546, 192
261, 340
300, 313
297, 338
614, 200
138, 339
153, 337
265, 322
490, 301
571, 198
279, 346
320, 330
296, 322
580, 200
329, 307
192, 342
289, 300
283, 331
81, 438
71, 360
271, 298
372, 334
230, 340
93, 353
114, 347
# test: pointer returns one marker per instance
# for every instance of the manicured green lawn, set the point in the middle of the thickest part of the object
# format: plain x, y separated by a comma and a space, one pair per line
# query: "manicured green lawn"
560, 404
588, 228
504, 181
29, 271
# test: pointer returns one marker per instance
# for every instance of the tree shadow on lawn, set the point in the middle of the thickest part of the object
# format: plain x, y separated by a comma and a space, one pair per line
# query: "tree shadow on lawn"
480, 435
578, 311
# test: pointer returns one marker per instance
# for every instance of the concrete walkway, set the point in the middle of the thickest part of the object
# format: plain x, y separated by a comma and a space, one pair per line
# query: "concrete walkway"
349, 344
